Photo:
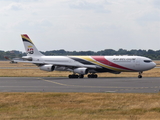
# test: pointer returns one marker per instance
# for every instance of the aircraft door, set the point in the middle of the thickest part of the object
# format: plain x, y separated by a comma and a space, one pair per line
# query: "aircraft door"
137, 63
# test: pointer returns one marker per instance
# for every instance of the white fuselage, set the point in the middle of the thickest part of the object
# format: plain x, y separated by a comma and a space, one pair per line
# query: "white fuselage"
107, 63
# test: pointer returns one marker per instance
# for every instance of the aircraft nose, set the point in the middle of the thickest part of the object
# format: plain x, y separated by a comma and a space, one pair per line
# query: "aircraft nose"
151, 65
154, 64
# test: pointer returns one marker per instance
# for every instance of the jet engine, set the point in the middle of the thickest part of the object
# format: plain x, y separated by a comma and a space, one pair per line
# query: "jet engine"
81, 71
48, 68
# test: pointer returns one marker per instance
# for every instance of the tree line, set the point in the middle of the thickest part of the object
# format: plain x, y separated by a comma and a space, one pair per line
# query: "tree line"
155, 55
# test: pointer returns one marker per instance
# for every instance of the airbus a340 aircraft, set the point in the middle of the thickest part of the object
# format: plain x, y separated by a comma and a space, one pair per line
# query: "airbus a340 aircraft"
82, 65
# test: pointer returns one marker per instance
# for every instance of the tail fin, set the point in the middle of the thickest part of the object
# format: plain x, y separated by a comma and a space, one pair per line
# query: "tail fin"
30, 48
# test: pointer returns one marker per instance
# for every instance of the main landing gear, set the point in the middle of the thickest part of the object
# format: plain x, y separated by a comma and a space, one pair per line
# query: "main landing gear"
75, 76
140, 75
92, 75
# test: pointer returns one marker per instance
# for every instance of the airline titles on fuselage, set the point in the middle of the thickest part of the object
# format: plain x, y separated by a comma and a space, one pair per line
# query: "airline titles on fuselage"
124, 59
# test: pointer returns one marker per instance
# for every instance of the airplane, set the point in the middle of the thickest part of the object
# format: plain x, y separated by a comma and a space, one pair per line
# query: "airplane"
11, 60
85, 65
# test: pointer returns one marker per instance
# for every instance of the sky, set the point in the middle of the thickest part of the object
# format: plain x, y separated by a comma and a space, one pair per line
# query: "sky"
80, 25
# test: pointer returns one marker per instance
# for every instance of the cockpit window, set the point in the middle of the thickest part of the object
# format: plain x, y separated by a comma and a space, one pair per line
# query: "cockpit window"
147, 61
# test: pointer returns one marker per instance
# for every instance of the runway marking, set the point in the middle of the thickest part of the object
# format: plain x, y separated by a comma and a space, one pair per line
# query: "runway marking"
55, 82
124, 88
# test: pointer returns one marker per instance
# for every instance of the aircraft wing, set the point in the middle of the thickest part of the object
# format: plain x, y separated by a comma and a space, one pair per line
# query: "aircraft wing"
57, 64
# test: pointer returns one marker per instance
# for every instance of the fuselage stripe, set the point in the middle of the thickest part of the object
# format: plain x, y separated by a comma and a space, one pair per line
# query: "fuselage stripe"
104, 61
95, 60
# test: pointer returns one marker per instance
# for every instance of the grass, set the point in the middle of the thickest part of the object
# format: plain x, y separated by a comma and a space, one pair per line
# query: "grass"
79, 106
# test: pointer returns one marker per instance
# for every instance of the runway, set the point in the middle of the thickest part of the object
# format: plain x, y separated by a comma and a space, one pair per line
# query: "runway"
86, 85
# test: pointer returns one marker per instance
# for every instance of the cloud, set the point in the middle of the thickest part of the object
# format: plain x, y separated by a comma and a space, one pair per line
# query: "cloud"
20, 0
15, 6
84, 5
27, 25
12, 7
156, 3
84, 23
149, 17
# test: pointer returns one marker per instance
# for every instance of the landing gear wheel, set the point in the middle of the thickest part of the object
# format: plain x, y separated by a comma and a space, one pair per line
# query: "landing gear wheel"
92, 76
140, 75
73, 76
81, 76
89, 76
95, 76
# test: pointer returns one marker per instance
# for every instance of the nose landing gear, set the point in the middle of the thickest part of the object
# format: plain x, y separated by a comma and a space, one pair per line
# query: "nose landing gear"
140, 75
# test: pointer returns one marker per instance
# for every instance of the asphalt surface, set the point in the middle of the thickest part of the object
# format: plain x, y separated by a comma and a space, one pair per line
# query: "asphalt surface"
86, 85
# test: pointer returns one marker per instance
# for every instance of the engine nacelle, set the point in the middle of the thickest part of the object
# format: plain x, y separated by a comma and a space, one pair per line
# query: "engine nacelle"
48, 68
81, 71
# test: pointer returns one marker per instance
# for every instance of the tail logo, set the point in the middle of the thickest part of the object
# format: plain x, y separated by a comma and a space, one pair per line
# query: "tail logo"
30, 50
